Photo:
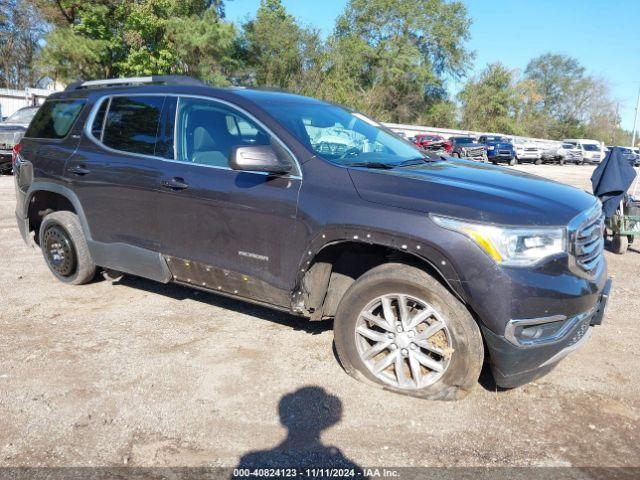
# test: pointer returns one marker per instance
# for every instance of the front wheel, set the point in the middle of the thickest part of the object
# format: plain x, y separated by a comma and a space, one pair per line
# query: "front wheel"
619, 243
513, 161
399, 328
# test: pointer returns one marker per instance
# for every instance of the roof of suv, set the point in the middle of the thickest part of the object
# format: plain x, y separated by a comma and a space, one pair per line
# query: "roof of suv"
259, 96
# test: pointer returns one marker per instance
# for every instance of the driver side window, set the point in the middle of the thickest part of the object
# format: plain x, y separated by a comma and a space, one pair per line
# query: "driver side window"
208, 131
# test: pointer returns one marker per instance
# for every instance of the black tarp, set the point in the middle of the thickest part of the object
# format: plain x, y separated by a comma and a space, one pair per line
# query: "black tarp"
612, 179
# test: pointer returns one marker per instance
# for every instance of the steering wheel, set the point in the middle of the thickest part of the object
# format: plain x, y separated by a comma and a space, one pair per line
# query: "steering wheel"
351, 152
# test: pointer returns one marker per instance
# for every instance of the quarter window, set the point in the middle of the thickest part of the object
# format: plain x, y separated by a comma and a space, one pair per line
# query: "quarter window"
132, 124
54, 119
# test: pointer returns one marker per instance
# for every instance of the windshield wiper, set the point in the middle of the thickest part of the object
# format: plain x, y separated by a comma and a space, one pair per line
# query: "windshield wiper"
415, 161
379, 165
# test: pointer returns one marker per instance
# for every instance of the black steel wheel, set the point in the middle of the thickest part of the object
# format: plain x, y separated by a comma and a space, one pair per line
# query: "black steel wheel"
59, 251
65, 249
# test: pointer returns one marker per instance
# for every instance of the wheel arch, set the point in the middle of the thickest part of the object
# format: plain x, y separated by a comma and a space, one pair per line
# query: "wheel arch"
335, 259
45, 197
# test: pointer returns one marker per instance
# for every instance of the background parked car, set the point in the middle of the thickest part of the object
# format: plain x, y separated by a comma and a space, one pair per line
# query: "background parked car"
528, 152
499, 149
566, 152
431, 142
468, 147
634, 158
592, 150
11, 131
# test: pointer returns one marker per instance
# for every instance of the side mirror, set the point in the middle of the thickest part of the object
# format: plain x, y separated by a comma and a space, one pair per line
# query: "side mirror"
257, 158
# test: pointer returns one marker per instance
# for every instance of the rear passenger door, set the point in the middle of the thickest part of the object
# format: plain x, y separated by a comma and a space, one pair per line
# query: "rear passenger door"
117, 171
224, 229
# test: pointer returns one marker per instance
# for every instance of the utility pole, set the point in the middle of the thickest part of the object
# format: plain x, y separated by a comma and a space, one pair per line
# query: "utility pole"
635, 121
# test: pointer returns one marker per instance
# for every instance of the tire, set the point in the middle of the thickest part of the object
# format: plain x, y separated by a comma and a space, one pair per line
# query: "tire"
460, 343
561, 162
65, 249
619, 243
513, 162
538, 161
455, 155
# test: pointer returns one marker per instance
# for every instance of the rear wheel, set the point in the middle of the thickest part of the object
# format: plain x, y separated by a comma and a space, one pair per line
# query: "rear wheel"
619, 243
65, 248
399, 328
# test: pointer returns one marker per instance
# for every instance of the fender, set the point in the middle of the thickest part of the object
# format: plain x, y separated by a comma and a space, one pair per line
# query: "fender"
117, 256
418, 248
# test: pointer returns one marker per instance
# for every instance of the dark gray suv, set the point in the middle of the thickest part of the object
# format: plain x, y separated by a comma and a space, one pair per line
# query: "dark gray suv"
429, 265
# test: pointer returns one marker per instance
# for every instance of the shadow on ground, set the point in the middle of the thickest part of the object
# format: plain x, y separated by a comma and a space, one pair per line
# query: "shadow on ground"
305, 413
179, 292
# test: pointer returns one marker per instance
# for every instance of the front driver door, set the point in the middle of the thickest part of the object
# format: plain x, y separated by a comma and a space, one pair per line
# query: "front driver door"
223, 229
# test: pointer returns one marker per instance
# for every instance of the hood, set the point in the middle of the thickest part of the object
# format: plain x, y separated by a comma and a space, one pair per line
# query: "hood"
473, 191
500, 144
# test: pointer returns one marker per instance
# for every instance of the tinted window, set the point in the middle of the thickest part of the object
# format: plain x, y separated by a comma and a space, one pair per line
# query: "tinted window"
132, 124
208, 131
54, 119
98, 120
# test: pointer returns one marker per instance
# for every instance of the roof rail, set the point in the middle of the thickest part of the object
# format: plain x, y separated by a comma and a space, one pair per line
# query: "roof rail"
120, 82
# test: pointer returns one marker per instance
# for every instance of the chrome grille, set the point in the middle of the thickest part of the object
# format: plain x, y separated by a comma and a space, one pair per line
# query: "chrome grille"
588, 243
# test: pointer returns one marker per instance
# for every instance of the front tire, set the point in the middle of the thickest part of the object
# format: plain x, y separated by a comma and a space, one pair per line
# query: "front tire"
619, 243
65, 249
513, 161
400, 329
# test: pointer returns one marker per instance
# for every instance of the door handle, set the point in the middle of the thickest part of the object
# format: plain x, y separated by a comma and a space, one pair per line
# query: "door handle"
176, 183
79, 170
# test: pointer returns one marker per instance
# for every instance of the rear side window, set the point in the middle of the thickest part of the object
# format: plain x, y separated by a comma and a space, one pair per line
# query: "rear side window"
54, 119
132, 124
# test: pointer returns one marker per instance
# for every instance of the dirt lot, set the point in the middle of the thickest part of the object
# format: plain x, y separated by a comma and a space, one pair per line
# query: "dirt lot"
137, 373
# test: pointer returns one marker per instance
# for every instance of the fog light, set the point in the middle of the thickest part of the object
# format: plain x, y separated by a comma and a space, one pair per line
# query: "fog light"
537, 332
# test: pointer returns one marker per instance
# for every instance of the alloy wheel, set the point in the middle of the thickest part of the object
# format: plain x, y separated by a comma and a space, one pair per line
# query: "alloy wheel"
403, 341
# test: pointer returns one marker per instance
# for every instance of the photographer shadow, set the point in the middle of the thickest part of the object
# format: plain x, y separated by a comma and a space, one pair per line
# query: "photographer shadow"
305, 413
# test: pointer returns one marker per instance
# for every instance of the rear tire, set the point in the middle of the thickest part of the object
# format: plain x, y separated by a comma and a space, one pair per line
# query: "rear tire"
65, 249
454, 353
619, 243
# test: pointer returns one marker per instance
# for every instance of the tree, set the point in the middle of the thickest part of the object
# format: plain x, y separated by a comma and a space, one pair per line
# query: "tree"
111, 38
279, 52
21, 27
489, 102
398, 54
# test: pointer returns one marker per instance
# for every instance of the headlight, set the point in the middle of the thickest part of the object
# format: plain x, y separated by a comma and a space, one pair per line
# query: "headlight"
490, 147
511, 246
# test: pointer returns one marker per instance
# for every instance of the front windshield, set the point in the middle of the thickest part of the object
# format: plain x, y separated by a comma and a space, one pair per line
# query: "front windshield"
590, 147
342, 137
496, 139
22, 116
464, 140
568, 146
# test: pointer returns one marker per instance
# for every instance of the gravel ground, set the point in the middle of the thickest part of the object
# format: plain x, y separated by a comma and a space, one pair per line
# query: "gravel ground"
137, 373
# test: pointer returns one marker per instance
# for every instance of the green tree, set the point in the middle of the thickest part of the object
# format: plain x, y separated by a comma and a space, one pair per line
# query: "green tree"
489, 102
279, 52
21, 28
110, 38
398, 54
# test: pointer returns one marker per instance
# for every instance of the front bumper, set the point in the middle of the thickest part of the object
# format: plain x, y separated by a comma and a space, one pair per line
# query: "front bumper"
513, 365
